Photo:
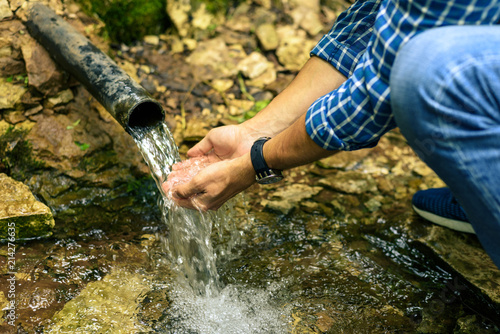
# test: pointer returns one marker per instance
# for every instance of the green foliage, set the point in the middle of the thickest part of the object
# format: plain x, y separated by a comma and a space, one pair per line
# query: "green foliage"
128, 20
258, 106
72, 126
16, 158
18, 79
82, 146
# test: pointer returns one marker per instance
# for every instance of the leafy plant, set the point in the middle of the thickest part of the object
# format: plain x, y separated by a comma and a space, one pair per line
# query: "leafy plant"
72, 126
258, 106
82, 146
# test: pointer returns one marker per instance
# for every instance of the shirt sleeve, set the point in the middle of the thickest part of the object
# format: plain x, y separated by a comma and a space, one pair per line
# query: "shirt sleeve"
358, 113
346, 42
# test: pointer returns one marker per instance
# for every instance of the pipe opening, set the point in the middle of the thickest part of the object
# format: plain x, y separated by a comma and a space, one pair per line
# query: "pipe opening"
145, 115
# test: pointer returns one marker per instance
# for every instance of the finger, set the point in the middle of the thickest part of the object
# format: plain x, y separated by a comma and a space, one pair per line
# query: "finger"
202, 148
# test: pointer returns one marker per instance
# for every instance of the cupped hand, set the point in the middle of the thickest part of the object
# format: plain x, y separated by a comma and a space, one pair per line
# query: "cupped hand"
213, 185
225, 142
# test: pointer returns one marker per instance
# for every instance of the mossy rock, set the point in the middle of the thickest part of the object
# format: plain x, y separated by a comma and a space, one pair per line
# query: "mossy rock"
129, 20
21, 215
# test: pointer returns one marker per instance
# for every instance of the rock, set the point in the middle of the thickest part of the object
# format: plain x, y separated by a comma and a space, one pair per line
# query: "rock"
61, 98
178, 11
201, 18
5, 11
374, 203
14, 117
9, 66
254, 65
5, 51
351, 182
213, 55
290, 197
293, 51
23, 126
33, 111
266, 78
307, 19
463, 253
152, 39
19, 209
43, 73
343, 159
222, 85
241, 21
106, 306
267, 36
52, 136
10, 94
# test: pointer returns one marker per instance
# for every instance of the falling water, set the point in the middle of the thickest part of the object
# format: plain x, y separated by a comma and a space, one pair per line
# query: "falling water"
201, 304
188, 241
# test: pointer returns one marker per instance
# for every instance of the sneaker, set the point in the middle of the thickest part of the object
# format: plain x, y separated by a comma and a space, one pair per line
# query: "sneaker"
440, 207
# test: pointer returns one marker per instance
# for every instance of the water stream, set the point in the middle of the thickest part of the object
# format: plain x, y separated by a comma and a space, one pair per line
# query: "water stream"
201, 303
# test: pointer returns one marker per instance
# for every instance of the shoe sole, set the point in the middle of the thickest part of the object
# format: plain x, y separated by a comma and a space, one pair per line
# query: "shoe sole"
452, 224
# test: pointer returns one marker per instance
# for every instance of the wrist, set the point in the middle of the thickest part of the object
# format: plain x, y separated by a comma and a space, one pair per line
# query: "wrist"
246, 172
262, 126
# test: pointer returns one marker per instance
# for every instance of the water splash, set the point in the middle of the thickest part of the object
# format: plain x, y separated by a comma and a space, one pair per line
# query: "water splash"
235, 310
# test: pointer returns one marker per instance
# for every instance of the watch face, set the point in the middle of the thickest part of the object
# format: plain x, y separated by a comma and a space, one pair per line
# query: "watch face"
270, 179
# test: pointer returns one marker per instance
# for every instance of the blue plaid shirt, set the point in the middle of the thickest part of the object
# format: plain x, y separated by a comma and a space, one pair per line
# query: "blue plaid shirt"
363, 45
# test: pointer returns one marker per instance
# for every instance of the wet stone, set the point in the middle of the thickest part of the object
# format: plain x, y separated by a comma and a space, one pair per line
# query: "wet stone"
350, 182
19, 209
290, 196
463, 252
108, 305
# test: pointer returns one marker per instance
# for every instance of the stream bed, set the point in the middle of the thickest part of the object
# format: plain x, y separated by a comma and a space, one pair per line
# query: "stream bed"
334, 248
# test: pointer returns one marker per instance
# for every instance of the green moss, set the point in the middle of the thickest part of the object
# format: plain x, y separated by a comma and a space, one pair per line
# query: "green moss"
218, 6
128, 20
27, 226
16, 158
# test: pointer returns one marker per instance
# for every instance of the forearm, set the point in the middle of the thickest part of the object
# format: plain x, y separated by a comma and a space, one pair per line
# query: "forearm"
293, 147
314, 80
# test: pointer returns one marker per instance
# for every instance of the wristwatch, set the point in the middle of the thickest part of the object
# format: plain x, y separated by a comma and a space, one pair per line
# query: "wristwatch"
264, 174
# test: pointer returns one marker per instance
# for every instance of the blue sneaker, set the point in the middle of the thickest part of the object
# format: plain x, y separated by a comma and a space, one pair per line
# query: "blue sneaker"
440, 207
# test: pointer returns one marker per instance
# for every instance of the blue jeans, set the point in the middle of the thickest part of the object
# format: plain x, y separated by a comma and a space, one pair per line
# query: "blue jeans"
445, 96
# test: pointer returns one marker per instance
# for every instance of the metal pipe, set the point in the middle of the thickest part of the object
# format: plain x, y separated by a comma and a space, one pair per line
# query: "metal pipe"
128, 102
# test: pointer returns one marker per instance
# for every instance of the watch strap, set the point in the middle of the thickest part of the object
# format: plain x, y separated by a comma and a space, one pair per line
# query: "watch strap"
257, 155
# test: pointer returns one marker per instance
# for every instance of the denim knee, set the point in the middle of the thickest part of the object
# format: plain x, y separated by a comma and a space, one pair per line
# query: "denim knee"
413, 82
445, 78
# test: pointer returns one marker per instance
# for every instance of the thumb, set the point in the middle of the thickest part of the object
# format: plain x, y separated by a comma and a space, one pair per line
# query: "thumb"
202, 148
185, 191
